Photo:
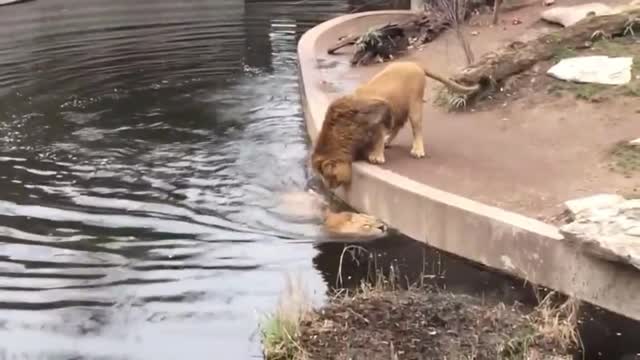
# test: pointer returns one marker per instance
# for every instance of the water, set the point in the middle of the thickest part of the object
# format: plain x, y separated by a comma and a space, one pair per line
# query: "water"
143, 146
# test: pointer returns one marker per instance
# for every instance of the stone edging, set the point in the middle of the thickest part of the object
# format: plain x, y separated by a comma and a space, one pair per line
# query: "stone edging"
499, 239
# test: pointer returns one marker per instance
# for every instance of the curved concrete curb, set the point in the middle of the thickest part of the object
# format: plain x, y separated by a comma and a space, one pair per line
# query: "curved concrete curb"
493, 237
11, 2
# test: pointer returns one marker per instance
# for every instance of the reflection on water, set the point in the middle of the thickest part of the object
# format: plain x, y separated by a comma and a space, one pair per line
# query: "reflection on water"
143, 146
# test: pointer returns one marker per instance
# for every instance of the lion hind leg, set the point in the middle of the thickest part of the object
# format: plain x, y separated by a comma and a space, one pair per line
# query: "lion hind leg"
415, 118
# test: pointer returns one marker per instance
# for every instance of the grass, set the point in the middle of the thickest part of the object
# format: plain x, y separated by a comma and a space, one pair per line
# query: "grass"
280, 331
450, 101
622, 46
562, 52
550, 327
625, 158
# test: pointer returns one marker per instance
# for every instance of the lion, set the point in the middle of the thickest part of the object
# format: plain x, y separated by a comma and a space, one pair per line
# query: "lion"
362, 124
352, 224
309, 205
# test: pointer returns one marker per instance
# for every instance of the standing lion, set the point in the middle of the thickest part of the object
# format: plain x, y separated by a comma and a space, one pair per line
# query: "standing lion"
361, 124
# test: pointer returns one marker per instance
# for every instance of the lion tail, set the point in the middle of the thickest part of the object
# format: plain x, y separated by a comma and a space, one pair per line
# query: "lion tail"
451, 84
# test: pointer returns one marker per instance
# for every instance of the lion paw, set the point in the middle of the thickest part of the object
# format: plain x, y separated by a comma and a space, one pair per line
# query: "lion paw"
376, 159
417, 153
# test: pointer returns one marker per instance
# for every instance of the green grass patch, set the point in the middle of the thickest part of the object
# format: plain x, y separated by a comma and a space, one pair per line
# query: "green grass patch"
587, 92
625, 158
280, 331
622, 46
449, 101
563, 52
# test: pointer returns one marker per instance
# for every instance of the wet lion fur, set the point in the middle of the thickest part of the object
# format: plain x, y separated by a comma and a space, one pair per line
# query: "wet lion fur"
352, 224
359, 125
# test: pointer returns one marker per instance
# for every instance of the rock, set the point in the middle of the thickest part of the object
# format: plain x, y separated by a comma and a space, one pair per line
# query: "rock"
606, 226
635, 142
576, 206
569, 15
634, 231
594, 69
633, 204
548, 2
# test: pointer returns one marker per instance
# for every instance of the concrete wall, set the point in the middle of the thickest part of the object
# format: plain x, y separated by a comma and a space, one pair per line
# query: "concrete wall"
494, 237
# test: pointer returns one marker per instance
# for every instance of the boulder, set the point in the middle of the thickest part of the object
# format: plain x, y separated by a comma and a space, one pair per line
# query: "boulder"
569, 15
606, 226
596, 69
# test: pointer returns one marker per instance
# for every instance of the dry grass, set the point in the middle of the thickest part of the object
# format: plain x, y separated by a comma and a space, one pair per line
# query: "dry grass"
552, 326
625, 158
348, 318
280, 331
450, 101
558, 324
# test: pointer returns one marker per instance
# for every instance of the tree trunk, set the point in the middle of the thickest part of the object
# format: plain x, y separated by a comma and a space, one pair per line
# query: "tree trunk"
517, 57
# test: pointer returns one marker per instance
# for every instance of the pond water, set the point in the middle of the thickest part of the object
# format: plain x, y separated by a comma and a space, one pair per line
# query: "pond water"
143, 145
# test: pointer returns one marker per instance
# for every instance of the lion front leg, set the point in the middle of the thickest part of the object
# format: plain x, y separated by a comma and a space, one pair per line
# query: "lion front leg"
415, 118
390, 136
376, 155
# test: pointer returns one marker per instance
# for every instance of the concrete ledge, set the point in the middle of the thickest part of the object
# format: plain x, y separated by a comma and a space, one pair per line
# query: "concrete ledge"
499, 239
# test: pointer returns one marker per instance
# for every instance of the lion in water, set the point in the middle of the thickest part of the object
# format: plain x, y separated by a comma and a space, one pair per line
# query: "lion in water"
310, 205
361, 124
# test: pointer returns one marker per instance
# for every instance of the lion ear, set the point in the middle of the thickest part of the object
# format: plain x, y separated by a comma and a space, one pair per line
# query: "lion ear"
374, 112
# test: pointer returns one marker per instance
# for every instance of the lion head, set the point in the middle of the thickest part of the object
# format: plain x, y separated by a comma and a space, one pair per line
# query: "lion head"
353, 224
333, 172
346, 135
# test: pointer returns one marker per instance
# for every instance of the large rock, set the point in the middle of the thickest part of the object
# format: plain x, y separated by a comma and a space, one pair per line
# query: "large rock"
569, 15
576, 206
607, 226
595, 69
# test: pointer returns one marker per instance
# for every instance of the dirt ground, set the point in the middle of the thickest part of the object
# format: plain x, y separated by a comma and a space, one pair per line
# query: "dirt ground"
418, 324
535, 145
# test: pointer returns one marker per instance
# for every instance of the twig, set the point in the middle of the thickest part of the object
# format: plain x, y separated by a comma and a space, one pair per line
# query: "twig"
339, 281
465, 46
342, 42
393, 354
456, 10
358, 315
496, 10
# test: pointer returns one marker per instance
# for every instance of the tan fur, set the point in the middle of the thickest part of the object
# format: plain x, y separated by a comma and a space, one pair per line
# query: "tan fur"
359, 125
309, 205
352, 224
